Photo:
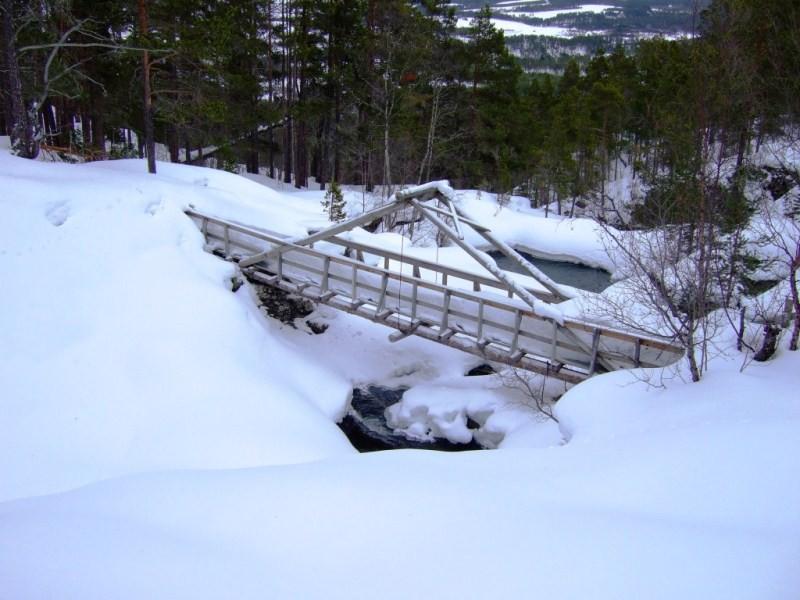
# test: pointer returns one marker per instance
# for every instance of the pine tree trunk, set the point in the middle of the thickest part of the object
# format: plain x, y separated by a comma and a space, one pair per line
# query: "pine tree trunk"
271, 154
320, 162
64, 117
98, 124
149, 136
287, 151
301, 161
287, 85
252, 157
5, 109
270, 95
173, 143
22, 128
50, 123
336, 174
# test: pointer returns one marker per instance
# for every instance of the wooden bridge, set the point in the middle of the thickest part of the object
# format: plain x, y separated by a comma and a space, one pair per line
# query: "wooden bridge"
490, 315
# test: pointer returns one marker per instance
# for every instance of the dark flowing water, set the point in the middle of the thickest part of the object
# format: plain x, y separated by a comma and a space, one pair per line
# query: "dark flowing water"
575, 275
365, 424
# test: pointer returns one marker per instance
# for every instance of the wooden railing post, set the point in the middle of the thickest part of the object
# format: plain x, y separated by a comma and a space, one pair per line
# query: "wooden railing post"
480, 320
414, 301
444, 325
326, 265
354, 283
517, 326
595, 346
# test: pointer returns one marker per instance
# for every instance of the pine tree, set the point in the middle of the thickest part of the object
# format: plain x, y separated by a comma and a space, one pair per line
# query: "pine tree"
334, 203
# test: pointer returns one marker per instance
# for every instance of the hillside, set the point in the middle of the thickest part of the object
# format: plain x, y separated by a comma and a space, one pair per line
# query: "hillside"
163, 438
545, 35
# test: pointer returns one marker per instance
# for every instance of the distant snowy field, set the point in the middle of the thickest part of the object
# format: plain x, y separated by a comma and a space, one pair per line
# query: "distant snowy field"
549, 14
161, 438
514, 28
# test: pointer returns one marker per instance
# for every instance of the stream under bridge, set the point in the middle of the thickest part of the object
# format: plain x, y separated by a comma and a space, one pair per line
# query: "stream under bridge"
487, 313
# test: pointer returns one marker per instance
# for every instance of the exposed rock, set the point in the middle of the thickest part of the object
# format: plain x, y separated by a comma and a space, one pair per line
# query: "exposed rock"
771, 333
317, 328
282, 305
365, 424
484, 369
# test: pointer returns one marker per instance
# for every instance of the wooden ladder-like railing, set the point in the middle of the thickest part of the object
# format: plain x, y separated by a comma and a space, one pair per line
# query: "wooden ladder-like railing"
467, 311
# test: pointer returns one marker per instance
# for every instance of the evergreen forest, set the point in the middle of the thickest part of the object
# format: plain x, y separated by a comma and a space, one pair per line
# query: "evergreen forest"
382, 93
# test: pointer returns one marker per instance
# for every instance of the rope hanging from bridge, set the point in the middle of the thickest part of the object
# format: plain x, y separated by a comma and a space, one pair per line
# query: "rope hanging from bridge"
400, 279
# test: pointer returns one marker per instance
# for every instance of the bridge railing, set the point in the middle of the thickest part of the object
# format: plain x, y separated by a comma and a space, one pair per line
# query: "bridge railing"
425, 269
482, 322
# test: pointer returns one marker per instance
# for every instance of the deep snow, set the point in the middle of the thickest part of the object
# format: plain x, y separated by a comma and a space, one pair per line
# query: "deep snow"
161, 438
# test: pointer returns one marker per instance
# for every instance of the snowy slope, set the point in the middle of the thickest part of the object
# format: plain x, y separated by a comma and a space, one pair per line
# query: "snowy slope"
124, 349
700, 511
162, 439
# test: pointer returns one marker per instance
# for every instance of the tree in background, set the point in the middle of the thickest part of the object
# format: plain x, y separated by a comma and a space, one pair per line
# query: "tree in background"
20, 114
334, 203
149, 139
387, 92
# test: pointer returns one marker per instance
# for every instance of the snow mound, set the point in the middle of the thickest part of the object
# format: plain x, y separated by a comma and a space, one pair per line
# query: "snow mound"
125, 349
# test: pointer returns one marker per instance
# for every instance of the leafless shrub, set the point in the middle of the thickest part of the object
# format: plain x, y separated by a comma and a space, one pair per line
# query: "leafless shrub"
673, 280
535, 391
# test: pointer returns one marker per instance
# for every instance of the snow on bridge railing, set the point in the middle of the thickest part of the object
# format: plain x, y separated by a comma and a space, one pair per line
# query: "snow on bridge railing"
501, 329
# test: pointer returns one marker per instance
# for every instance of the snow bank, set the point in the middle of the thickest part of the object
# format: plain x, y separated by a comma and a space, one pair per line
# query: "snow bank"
488, 409
555, 237
658, 517
220, 193
124, 348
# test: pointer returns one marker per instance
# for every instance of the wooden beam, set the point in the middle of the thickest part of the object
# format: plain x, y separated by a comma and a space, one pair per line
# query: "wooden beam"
595, 346
454, 216
446, 334
588, 349
420, 263
367, 217
517, 259
474, 224
404, 333
488, 264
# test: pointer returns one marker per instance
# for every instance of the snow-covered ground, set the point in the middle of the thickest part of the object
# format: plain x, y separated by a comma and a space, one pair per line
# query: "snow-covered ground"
549, 14
514, 28
161, 438
517, 9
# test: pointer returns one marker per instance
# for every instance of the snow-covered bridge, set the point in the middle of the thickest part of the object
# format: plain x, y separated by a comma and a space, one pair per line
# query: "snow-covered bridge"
486, 313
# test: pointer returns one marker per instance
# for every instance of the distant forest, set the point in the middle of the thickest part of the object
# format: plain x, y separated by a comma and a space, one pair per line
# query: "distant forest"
388, 92
556, 4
